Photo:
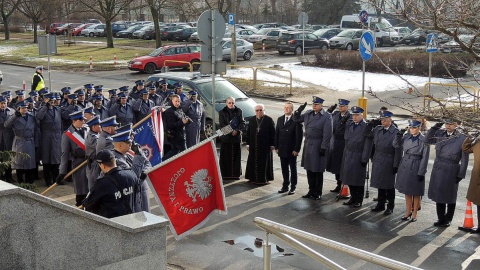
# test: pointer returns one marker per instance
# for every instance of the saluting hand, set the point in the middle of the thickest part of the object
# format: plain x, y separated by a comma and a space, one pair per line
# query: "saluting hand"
302, 107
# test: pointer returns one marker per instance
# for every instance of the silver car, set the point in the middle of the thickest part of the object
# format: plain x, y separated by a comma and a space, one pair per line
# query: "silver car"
261, 35
244, 49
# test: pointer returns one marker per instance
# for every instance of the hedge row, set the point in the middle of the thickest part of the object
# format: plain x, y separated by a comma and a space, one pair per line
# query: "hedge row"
402, 62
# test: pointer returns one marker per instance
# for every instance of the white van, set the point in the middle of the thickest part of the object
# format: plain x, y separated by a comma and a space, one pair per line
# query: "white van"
381, 27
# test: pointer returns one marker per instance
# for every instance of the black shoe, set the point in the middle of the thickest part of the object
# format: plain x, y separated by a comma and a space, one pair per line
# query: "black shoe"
378, 208
316, 197
291, 192
307, 196
336, 190
413, 220
48, 184
282, 190
446, 224
407, 217
438, 223
61, 183
356, 205
349, 202
388, 212
375, 199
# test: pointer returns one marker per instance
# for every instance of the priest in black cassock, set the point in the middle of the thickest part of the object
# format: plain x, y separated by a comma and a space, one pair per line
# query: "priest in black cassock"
260, 143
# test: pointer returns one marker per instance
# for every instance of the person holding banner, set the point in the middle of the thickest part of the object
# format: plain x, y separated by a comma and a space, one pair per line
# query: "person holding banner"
138, 163
23, 125
73, 147
193, 108
260, 143
230, 147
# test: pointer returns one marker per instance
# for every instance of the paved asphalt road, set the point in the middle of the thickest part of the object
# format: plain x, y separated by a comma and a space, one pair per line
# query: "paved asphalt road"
419, 244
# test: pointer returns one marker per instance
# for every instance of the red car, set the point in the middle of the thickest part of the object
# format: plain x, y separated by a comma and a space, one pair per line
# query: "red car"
77, 30
156, 60
53, 27
63, 29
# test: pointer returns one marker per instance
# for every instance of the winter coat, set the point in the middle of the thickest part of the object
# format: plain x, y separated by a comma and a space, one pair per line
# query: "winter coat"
357, 150
385, 159
24, 140
473, 192
50, 119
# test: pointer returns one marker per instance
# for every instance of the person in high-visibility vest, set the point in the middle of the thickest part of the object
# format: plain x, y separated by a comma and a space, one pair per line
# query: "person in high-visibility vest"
37, 81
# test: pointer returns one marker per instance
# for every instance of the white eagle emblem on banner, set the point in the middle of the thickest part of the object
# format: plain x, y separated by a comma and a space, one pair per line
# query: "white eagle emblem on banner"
200, 185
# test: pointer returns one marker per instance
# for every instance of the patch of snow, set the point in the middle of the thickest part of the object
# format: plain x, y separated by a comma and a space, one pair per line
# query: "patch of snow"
340, 80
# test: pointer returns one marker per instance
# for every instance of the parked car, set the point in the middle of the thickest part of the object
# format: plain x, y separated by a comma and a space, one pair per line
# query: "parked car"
402, 31
51, 29
167, 33
150, 33
128, 33
115, 29
64, 28
203, 86
194, 37
417, 37
244, 49
327, 33
156, 59
453, 46
348, 39
240, 33
293, 42
90, 30
77, 30
318, 26
140, 33
184, 34
97, 31
261, 35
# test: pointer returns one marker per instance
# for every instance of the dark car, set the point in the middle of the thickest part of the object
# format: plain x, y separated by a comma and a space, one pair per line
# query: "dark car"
327, 33
417, 37
203, 86
116, 27
167, 33
293, 42
127, 33
184, 34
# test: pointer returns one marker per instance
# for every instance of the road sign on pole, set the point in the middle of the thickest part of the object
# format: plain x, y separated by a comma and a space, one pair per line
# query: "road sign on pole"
363, 16
432, 43
231, 18
367, 45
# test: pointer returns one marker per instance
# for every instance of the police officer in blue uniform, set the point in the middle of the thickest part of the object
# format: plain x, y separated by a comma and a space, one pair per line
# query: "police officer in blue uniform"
153, 96
65, 92
99, 108
138, 164
109, 127
179, 91
122, 110
135, 93
6, 135
335, 157
72, 107
194, 109
81, 101
89, 113
142, 106
20, 97
162, 89
318, 132
49, 117
113, 194
91, 150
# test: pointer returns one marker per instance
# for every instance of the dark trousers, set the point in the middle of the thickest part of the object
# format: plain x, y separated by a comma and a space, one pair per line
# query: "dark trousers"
337, 177
315, 183
7, 175
450, 209
177, 147
289, 172
357, 193
385, 195
50, 172
79, 199
25, 176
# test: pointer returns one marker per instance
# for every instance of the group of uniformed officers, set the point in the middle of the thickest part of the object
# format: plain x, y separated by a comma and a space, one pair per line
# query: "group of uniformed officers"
344, 143
60, 131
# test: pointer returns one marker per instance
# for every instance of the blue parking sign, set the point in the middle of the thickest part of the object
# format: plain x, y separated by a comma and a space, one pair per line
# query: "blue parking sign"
231, 18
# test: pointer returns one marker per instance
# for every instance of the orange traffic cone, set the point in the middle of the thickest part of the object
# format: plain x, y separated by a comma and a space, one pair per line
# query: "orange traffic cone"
468, 222
344, 194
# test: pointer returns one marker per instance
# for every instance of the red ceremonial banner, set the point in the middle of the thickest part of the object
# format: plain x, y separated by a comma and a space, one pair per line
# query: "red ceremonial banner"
188, 188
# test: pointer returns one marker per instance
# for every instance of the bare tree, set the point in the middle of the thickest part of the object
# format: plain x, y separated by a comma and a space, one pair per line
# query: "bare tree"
452, 18
223, 6
36, 11
7, 7
108, 10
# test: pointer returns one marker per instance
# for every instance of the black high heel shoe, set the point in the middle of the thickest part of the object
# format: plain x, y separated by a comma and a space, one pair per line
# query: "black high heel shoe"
413, 220
407, 217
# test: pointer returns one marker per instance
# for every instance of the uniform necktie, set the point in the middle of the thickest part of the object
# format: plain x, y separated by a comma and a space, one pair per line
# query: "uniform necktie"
385, 130
286, 119
355, 126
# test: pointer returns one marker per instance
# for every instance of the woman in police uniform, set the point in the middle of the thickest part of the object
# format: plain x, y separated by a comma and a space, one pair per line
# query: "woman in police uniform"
411, 171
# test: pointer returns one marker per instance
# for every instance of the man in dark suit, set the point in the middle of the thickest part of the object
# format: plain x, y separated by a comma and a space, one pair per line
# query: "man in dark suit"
288, 141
